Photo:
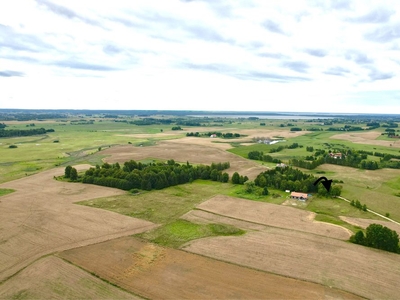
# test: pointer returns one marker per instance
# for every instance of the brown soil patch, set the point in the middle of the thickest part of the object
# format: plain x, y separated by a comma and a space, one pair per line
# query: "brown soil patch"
161, 273
364, 223
182, 152
360, 270
369, 138
40, 218
53, 278
272, 215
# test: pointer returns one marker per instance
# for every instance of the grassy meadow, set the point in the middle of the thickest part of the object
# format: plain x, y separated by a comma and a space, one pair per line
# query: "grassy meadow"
74, 144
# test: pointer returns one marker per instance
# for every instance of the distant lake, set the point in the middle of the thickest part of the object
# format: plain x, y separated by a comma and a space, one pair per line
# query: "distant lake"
265, 117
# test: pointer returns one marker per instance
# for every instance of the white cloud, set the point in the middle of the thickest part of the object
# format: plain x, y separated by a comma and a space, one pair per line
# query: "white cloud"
243, 55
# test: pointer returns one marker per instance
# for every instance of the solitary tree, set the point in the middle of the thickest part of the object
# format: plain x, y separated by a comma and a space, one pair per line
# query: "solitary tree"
235, 178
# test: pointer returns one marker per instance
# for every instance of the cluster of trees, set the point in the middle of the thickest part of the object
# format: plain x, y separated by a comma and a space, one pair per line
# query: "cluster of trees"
227, 135
379, 237
2, 125
176, 128
358, 205
136, 175
288, 178
296, 129
259, 155
23, 132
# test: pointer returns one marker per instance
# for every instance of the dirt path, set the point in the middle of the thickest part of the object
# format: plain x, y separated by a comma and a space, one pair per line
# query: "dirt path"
41, 217
374, 212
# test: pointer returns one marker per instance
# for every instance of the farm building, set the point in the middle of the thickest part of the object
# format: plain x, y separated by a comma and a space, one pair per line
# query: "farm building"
299, 196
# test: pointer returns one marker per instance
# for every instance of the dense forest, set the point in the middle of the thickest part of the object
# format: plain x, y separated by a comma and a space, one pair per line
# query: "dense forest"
137, 175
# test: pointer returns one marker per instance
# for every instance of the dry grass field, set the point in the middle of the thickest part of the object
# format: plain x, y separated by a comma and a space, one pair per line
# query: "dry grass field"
182, 152
40, 217
155, 272
272, 215
53, 278
363, 271
369, 138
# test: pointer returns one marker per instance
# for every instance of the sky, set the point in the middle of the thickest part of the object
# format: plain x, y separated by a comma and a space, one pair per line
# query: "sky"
244, 55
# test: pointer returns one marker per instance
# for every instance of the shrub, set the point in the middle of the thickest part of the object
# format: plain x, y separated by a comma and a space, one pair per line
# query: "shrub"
13, 146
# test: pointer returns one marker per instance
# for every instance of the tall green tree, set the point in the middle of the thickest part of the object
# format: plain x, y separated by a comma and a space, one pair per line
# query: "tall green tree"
67, 173
74, 174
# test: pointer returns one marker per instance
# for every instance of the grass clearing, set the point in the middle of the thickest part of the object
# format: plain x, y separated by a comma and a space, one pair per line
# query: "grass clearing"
6, 191
177, 233
162, 206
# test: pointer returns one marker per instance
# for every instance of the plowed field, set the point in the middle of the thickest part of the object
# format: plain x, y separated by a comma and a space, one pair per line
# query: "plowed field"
40, 218
53, 278
272, 215
182, 152
162, 273
363, 271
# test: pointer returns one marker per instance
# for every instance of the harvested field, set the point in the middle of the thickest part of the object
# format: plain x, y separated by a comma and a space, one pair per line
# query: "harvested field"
40, 218
182, 152
360, 270
53, 278
272, 215
364, 223
369, 138
155, 272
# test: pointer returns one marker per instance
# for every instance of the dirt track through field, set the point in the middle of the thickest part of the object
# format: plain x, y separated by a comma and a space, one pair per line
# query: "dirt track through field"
272, 215
367, 272
40, 218
364, 223
162, 273
182, 152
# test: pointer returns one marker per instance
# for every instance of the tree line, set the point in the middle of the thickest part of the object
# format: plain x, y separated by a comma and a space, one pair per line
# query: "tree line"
287, 178
23, 132
137, 175
228, 135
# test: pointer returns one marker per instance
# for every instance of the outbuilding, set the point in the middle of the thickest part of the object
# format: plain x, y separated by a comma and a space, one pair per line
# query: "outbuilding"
299, 196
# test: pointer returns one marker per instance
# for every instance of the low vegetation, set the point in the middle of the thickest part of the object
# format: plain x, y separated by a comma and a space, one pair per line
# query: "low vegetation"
6, 191
179, 232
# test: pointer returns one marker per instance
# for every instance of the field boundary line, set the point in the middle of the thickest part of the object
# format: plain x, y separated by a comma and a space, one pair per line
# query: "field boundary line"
371, 211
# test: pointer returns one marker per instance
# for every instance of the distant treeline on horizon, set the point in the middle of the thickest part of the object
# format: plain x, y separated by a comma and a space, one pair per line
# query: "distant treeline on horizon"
144, 113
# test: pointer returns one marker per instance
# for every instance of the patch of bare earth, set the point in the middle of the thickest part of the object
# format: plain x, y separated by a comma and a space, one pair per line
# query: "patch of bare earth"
155, 272
53, 278
359, 270
40, 217
182, 152
364, 223
369, 138
272, 215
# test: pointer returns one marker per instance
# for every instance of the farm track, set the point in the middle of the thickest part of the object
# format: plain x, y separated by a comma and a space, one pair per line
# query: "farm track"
373, 212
